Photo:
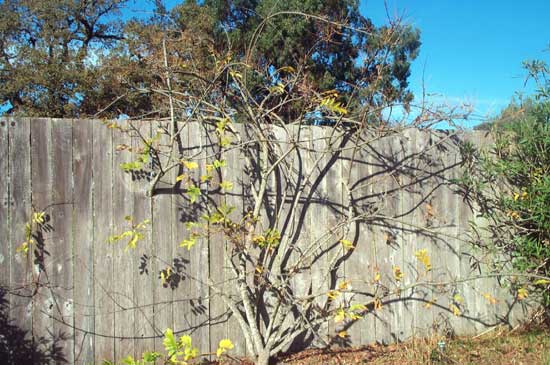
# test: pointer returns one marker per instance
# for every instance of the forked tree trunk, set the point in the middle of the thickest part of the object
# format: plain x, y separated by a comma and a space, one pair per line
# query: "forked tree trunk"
263, 358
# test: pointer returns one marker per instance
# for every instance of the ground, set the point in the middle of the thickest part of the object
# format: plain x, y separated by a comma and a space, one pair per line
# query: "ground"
520, 346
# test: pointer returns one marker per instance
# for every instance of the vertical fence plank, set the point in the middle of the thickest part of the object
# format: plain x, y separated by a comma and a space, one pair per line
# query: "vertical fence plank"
233, 198
20, 205
199, 266
467, 270
409, 172
42, 176
5, 212
5, 208
61, 249
317, 220
145, 278
83, 232
163, 240
444, 223
383, 182
123, 257
219, 272
358, 257
303, 281
396, 240
102, 176
183, 211
420, 220
335, 212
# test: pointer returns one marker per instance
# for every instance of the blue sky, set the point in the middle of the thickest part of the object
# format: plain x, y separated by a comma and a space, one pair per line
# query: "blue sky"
471, 49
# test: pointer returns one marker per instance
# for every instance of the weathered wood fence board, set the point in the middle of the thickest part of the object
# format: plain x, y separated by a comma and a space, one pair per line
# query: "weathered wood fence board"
96, 301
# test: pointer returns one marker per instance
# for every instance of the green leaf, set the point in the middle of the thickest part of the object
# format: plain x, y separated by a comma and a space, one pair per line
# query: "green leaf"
226, 185
169, 342
151, 356
129, 360
186, 341
131, 166
219, 163
188, 243
193, 193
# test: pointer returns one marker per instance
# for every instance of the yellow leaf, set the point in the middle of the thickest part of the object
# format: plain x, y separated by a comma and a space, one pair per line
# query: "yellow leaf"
333, 294
455, 310
223, 346
191, 165
24, 247
277, 89
133, 241
457, 298
344, 285
288, 69
424, 258
429, 210
236, 75
522, 293
489, 298
340, 316
188, 243
205, 178
429, 304
38, 218
342, 334
542, 282
377, 304
334, 106
180, 177
397, 273
377, 276
348, 245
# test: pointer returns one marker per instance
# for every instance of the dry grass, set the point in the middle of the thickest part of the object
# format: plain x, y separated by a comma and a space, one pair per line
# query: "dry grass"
527, 346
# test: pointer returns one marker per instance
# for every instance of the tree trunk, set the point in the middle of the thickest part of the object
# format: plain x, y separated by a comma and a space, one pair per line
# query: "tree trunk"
263, 358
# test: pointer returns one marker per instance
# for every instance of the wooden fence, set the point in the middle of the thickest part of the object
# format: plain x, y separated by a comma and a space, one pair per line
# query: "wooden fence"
96, 301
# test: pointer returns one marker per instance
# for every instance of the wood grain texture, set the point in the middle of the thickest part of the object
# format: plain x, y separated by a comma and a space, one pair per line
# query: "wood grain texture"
83, 233
124, 258
5, 209
61, 249
145, 278
42, 175
104, 302
20, 205
97, 288
163, 248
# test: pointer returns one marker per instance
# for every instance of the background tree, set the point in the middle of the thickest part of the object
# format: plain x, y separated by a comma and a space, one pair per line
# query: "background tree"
50, 51
76, 58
